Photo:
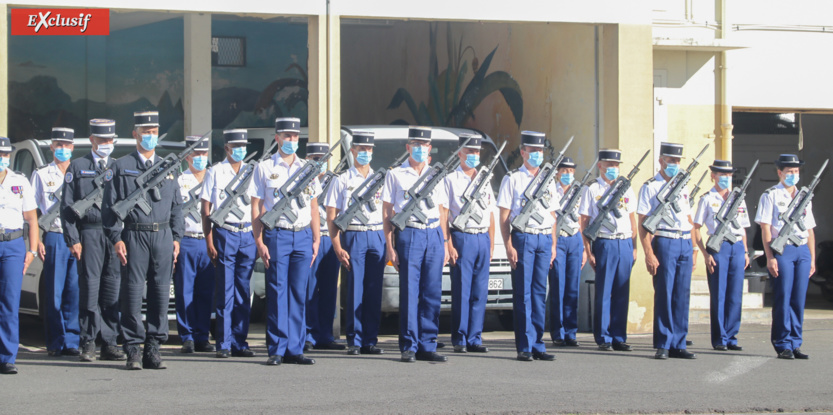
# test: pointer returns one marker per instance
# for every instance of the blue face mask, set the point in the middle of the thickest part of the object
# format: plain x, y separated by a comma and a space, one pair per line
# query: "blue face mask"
63, 154
4, 163
200, 162
289, 147
472, 160
612, 173
364, 157
724, 182
323, 168
671, 170
149, 141
791, 180
420, 154
536, 158
238, 154
567, 179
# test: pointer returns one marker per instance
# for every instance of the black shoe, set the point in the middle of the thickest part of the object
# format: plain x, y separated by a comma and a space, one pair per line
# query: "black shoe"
559, 343
408, 357
203, 347
329, 346
572, 343
112, 353
71, 352
87, 352
371, 350
786, 354
662, 354
8, 369
607, 347
353, 351
681, 354
477, 348
459, 348
54, 353
430, 357
525, 356
735, 347
689, 343
151, 358
187, 347
134, 360
543, 356
622, 347
307, 346
440, 345
223, 354
298, 360
798, 355
721, 348
243, 352
273, 360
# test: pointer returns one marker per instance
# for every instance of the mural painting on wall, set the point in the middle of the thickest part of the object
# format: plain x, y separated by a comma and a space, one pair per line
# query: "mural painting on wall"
450, 103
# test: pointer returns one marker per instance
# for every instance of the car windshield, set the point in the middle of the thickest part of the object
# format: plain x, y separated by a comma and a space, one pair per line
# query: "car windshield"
386, 151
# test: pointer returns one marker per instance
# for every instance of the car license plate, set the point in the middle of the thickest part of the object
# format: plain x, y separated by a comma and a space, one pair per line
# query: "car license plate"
495, 283
172, 291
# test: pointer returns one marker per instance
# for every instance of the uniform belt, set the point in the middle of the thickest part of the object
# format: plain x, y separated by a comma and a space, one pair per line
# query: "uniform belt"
293, 228
364, 228
418, 225
472, 231
323, 233
147, 227
56, 229
613, 236
566, 234
85, 226
237, 227
195, 235
537, 231
10, 234
673, 234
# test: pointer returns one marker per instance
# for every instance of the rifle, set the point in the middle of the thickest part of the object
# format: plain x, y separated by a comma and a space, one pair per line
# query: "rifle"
472, 194
301, 179
570, 200
535, 191
727, 215
609, 203
237, 188
363, 196
668, 197
45, 221
191, 208
794, 215
696, 189
151, 179
422, 188
94, 198
328, 178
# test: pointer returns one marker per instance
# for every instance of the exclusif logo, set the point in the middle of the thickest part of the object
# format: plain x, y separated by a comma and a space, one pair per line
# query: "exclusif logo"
60, 22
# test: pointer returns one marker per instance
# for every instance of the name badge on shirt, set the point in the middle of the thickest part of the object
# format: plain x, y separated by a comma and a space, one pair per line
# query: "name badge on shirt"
86, 173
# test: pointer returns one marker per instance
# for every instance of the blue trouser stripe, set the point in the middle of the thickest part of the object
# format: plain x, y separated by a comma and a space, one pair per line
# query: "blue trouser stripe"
236, 255
364, 286
194, 285
12, 254
789, 292
614, 261
290, 261
726, 293
565, 276
469, 287
672, 291
421, 254
61, 273
529, 289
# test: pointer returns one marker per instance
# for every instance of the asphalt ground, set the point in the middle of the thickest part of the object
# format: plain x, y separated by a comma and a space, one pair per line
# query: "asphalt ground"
581, 380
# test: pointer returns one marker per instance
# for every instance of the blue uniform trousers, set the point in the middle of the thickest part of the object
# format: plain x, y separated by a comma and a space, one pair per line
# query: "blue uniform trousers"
789, 291
62, 330
364, 286
194, 285
565, 276
321, 294
614, 261
726, 293
12, 255
290, 259
529, 289
236, 255
469, 287
421, 253
672, 292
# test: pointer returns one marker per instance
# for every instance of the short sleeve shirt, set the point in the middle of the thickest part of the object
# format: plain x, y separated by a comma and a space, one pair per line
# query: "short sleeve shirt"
397, 183
46, 183
270, 175
511, 196
16, 197
187, 182
340, 194
626, 204
214, 191
707, 209
648, 202
773, 203
456, 185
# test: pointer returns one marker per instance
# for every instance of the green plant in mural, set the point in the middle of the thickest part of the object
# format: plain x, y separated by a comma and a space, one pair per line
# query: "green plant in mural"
449, 104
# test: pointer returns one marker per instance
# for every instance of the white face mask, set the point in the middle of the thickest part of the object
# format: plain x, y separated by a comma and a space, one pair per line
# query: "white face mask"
104, 150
